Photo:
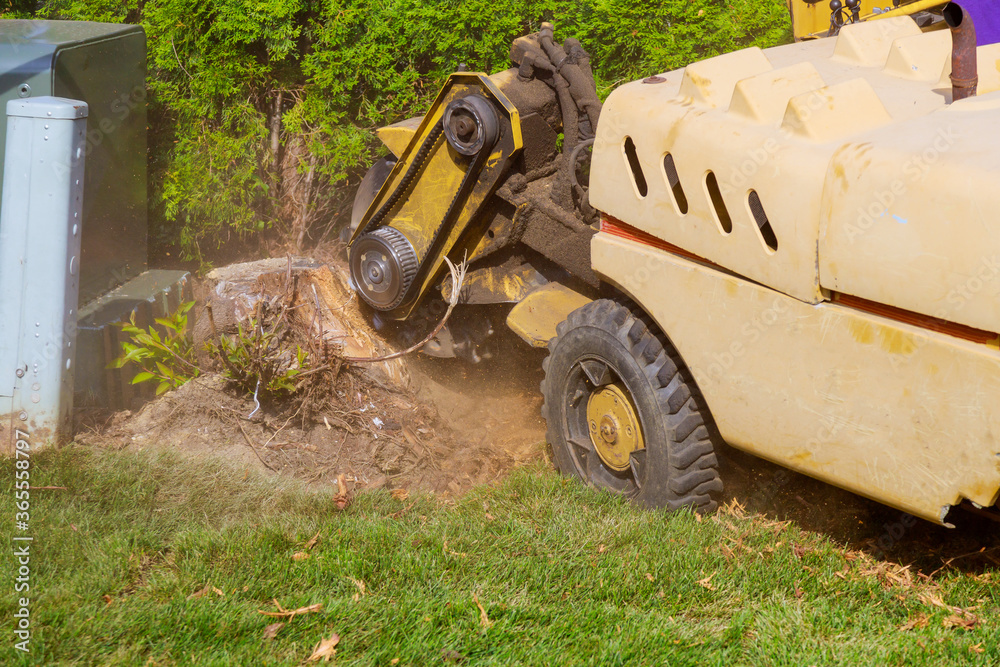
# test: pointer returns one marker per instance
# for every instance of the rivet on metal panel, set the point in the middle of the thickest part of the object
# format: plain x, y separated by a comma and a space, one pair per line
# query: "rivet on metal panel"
23, 416
36, 387
75, 227
69, 362
24, 90
49, 113
35, 398
72, 265
46, 126
46, 137
19, 372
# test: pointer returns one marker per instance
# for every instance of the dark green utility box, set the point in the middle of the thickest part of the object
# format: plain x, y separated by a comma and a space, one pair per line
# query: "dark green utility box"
105, 66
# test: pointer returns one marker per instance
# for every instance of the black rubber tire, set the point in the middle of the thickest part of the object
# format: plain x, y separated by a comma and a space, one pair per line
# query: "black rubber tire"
373, 181
678, 467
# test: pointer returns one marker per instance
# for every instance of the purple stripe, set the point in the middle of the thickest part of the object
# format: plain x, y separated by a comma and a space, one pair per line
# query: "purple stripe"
986, 15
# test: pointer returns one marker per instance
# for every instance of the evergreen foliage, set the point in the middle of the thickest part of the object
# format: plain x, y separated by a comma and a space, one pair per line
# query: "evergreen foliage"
231, 79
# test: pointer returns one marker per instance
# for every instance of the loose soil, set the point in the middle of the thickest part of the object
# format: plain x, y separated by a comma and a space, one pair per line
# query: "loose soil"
455, 427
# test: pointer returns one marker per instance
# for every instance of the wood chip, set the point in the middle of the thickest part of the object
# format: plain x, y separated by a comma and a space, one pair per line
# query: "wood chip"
286, 613
313, 541
484, 620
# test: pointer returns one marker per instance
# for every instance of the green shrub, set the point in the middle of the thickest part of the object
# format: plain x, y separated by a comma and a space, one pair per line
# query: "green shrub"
342, 68
167, 358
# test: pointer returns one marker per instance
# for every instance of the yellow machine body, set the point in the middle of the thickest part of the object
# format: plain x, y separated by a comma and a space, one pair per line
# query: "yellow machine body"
817, 232
420, 213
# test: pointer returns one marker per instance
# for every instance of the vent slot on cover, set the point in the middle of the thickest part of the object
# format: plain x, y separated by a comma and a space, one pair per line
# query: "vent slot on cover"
676, 190
638, 178
721, 212
763, 224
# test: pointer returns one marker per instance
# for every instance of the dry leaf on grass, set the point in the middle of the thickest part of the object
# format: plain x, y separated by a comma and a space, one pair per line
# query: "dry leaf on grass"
484, 620
300, 555
977, 648
396, 515
935, 600
107, 599
400, 494
919, 621
601, 548
707, 582
960, 618
360, 583
799, 593
326, 649
272, 630
209, 588
312, 542
965, 621
286, 613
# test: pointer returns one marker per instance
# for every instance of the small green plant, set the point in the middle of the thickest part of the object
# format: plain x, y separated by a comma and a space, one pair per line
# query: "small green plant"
258, 362
166, 358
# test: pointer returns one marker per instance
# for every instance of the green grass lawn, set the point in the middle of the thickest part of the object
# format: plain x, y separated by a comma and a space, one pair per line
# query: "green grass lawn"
564, 575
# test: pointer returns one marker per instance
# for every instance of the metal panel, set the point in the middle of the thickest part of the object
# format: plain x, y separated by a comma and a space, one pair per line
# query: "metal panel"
153, 294
105, 66
40, 231
110, 75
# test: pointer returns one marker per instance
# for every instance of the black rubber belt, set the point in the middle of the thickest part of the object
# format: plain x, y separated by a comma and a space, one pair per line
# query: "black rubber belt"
408, 178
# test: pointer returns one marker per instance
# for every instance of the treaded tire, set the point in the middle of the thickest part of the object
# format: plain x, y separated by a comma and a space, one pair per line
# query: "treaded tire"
677, 468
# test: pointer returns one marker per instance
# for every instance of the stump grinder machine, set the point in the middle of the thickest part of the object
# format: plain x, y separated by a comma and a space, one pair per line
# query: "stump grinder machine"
795, 251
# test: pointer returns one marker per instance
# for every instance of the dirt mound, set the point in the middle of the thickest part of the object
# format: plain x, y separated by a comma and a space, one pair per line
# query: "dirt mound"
437, 437
425, 424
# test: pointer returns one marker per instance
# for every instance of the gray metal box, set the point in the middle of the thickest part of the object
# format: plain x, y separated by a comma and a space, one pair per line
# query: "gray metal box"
105, 66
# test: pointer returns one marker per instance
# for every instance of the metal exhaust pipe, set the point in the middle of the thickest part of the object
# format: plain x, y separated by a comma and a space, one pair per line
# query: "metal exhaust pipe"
964, 67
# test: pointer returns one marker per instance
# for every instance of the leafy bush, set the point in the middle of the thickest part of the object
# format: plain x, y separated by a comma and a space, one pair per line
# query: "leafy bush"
258, 362
168, 358
263, 111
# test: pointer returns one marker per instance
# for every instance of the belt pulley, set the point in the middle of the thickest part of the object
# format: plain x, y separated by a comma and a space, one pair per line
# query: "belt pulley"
384, 263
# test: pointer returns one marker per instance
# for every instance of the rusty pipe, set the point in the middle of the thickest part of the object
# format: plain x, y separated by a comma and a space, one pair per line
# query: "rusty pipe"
964, 65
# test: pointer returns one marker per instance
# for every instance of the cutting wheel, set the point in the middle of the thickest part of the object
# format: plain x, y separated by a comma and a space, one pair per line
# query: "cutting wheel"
383, 264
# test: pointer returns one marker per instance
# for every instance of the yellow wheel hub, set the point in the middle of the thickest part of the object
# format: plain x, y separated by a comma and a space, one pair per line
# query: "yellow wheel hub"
614, 426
